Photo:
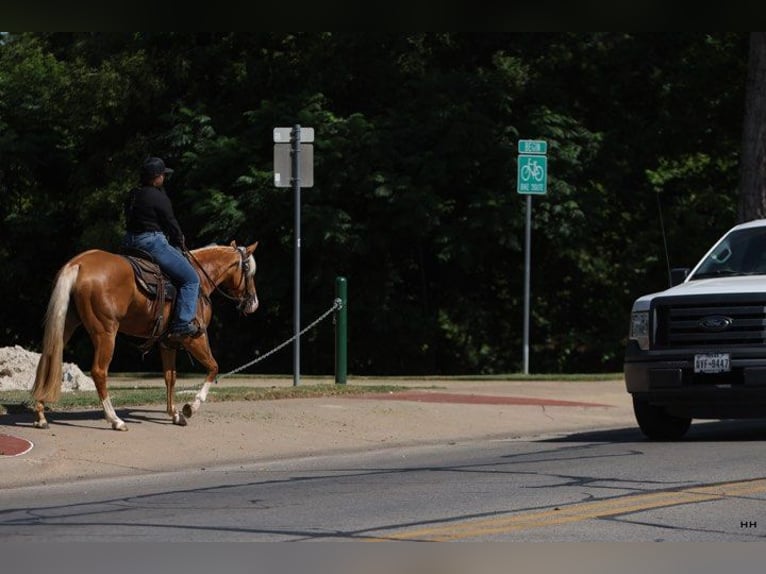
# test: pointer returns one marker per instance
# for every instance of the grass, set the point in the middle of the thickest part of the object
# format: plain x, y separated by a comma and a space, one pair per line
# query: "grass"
15, 401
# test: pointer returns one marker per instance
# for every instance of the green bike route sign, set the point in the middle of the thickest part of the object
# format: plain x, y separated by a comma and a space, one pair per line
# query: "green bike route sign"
532, 175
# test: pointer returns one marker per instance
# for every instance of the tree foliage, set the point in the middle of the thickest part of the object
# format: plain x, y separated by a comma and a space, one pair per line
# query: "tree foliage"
414, 195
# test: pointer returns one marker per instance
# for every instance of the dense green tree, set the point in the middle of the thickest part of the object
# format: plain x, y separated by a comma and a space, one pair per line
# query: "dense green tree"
414, 197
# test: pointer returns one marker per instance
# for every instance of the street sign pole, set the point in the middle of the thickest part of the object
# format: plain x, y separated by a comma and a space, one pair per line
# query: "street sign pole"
527, 267
295, 141
532, 179
295, 159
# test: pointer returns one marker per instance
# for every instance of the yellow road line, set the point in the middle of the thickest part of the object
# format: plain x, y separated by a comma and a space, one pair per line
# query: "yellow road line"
577, 512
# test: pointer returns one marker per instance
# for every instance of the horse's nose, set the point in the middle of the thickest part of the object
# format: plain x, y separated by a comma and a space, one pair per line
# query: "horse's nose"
252, 305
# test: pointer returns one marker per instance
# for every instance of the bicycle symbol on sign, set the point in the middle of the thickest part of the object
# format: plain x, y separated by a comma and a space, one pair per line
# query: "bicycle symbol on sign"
532, 170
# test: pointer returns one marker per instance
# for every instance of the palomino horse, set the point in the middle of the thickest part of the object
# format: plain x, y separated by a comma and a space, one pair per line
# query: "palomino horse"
105, 300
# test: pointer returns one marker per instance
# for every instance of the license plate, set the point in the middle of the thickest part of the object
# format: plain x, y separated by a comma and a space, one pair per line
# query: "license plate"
712, 363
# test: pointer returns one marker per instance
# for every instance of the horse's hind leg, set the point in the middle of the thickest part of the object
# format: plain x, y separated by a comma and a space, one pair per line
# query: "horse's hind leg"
71, 323
168, 356
103, 344
40, 421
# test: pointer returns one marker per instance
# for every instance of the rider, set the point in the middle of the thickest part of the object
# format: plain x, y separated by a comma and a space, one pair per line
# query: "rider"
152, 227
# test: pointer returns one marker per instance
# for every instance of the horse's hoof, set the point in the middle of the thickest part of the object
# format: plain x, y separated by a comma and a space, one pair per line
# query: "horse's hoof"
39, 425
120, 426
187, 410
180, 420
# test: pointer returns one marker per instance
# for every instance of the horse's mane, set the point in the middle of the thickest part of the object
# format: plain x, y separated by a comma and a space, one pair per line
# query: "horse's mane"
210, 246
251, 270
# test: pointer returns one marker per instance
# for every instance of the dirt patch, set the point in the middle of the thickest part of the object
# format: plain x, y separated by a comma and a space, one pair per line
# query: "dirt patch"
13, 446
428, 397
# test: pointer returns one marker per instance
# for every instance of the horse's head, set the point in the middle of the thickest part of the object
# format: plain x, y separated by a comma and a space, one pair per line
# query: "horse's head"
230, 270
241, 282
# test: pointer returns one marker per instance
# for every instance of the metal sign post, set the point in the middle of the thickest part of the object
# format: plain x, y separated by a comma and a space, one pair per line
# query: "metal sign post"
532, 179
294, 170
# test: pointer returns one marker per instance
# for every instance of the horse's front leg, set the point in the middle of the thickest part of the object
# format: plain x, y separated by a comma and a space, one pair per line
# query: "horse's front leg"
199, 398
200, 350
169, 371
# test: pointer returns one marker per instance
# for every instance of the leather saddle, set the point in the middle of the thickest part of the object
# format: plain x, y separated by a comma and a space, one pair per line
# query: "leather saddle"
154, 284
149, 278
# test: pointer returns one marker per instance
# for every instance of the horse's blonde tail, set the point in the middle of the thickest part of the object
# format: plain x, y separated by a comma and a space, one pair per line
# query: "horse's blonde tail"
47, 387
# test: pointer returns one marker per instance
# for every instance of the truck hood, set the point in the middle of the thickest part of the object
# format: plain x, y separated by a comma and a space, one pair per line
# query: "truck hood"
713, 286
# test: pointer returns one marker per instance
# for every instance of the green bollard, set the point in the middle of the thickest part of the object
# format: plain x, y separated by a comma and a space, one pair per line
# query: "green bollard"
341, 327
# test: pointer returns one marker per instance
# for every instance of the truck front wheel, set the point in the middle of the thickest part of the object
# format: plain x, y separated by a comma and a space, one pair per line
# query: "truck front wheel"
656, 423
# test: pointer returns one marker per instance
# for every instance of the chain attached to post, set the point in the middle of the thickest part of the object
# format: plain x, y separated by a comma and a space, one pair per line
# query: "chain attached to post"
336, 305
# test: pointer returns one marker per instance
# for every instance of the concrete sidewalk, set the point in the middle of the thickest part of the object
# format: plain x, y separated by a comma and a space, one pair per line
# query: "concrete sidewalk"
80, 444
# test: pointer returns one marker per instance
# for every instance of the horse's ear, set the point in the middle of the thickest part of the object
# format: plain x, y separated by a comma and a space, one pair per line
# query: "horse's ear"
233, 244
252, 247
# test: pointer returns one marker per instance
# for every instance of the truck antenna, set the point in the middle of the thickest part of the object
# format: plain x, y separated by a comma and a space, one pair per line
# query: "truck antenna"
664, 238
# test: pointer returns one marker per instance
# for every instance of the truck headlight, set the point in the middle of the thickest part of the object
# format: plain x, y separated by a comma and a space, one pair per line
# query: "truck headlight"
639, 329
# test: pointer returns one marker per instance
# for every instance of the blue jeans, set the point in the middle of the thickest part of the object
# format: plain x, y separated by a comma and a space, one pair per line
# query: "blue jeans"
176, 266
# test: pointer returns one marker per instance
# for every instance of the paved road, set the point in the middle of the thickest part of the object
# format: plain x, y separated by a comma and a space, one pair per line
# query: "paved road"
497, 461
81, 445
598, 485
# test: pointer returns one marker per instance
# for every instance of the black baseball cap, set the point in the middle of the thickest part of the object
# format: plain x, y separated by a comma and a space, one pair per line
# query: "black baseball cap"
154, 166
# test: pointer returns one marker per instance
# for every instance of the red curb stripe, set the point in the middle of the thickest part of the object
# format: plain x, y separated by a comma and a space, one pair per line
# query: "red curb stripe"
427, 397
13, 446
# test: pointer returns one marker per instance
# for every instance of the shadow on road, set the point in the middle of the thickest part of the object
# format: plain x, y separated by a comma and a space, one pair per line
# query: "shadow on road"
700, 431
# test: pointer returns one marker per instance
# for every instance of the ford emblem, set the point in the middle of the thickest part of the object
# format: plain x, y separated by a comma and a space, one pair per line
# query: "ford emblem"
715, 322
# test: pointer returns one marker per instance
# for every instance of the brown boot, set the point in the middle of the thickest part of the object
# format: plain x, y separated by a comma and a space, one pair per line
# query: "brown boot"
189, 331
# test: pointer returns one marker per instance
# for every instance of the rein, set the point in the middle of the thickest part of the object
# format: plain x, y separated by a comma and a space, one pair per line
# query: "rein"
241, 301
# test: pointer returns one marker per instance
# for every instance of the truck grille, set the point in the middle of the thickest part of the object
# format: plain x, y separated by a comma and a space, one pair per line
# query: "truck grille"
709, 323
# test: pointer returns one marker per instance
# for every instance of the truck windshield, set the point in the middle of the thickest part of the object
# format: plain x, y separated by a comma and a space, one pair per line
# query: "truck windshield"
741, 252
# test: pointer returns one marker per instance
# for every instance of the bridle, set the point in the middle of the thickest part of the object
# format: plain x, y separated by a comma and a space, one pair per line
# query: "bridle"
244, 264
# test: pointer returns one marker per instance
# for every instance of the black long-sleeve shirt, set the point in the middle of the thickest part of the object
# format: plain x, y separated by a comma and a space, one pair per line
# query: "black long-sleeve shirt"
149, 208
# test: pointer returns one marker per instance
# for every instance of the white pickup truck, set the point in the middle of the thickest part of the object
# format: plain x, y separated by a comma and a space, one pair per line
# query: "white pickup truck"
698, 349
